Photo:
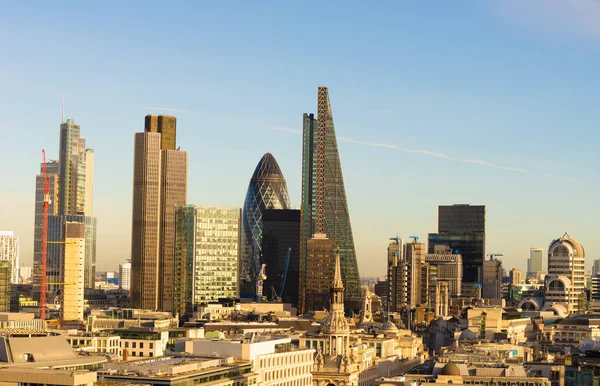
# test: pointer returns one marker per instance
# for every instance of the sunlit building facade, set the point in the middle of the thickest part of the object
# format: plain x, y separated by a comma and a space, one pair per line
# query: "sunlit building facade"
9, 251
207, 249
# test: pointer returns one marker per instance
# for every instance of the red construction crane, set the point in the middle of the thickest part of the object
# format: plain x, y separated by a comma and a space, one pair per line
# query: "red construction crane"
44, 238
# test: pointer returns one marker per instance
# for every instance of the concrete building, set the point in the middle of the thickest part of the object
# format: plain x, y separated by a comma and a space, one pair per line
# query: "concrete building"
125, 275
516, 276
492, 279
73, 270
207, 252
449, 267
394, 255
566, 275
5, 276
159, 186
9, 251
18, 376
20, 320
100, 342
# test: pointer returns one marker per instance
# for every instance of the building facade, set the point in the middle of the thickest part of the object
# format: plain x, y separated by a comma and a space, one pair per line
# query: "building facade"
516, 276
565, 284
5, 276
462, 227
267, 190
536, 260
492, 279
9, 251
449, 268
125, 275
73, 268
280, 237
159, 186
322, 175
319, 257
207, 252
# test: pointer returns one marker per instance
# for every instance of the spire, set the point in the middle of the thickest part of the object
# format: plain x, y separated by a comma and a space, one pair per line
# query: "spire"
337, 277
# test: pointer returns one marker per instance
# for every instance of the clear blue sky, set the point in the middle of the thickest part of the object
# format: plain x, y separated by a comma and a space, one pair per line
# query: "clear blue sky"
511, 83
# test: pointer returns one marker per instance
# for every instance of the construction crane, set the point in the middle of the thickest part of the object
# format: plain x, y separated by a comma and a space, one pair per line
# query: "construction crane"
44, 237
415, 238
285, 271
493, 255
397, 239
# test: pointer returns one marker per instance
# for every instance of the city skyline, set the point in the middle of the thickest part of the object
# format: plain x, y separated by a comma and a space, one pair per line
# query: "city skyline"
439, 129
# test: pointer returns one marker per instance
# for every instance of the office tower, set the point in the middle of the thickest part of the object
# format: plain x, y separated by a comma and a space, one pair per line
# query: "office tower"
52, 175
9, 251
5, 275
462, 228
166, 125
516, 276
55, 250
492, 279
125, 275
159, 186
414, 257
596, 268
536, 261
25, 274
267, 190
407, 288
319, 260
207, 253
73, 268
281, 233
565, 283
322, 176
394, 255
449, 268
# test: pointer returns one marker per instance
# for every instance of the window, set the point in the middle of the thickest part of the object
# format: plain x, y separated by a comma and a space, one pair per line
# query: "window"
133, 345
151, 354
142, 345
126, 344
151, 345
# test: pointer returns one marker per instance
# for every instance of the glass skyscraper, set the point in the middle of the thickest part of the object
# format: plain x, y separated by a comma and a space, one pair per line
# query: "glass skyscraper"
337, 224
267, 190
207, 247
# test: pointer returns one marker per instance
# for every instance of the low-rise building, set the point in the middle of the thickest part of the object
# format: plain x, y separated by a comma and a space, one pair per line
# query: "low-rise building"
23, 320
100, 342
19, 376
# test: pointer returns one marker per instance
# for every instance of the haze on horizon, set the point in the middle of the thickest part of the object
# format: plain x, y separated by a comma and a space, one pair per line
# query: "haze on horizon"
490, 103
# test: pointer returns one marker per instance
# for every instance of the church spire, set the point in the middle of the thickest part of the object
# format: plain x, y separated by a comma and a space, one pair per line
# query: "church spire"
337, 277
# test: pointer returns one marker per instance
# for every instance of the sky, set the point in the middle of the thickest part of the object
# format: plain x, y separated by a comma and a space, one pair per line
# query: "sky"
483, 102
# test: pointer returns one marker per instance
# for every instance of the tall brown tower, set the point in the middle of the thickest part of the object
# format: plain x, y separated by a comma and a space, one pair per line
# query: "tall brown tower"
159, 185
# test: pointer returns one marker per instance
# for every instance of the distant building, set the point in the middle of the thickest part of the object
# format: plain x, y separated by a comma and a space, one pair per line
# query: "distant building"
159, 185
516, 276
207, 252
125, 275
535, 263
9, 251
25, 274
462, 228
73, 263
5, 276
319, 257
394, 257
596, 268
492, 279
281, 233
449, 268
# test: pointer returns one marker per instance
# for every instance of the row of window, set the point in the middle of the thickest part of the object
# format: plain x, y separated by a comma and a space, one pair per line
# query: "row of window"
133, 345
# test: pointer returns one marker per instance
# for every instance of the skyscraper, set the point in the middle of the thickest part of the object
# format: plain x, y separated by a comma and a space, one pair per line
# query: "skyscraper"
72, 268
207, 253
322, 177
125, 275
462, 227
565, 283
267, 190
536, 260
9, 251
281, 233
159, 186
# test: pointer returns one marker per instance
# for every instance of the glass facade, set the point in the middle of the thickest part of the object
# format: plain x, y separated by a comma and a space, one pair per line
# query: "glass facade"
462, 228
206, 255
337, 215
267, 190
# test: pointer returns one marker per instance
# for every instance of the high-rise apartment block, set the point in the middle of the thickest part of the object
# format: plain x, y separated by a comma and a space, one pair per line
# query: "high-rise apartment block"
73, 268
9, 251
267, 190
565, 284
125, 275
280, 239
324, 208
159, 186
208, 240
462, 228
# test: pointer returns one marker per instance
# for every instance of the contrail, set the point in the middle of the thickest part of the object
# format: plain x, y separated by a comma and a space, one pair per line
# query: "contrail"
474, 161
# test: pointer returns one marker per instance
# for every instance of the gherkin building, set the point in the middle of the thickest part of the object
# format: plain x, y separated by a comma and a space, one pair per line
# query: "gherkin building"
267, 190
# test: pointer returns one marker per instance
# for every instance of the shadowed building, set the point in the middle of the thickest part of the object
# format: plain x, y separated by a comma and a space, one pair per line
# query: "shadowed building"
281, 232
159, 186
267, 190
324, 198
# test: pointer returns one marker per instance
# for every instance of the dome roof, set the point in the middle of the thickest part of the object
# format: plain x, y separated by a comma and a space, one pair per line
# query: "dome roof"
570, 243
268, 168
450, 369
387, 326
